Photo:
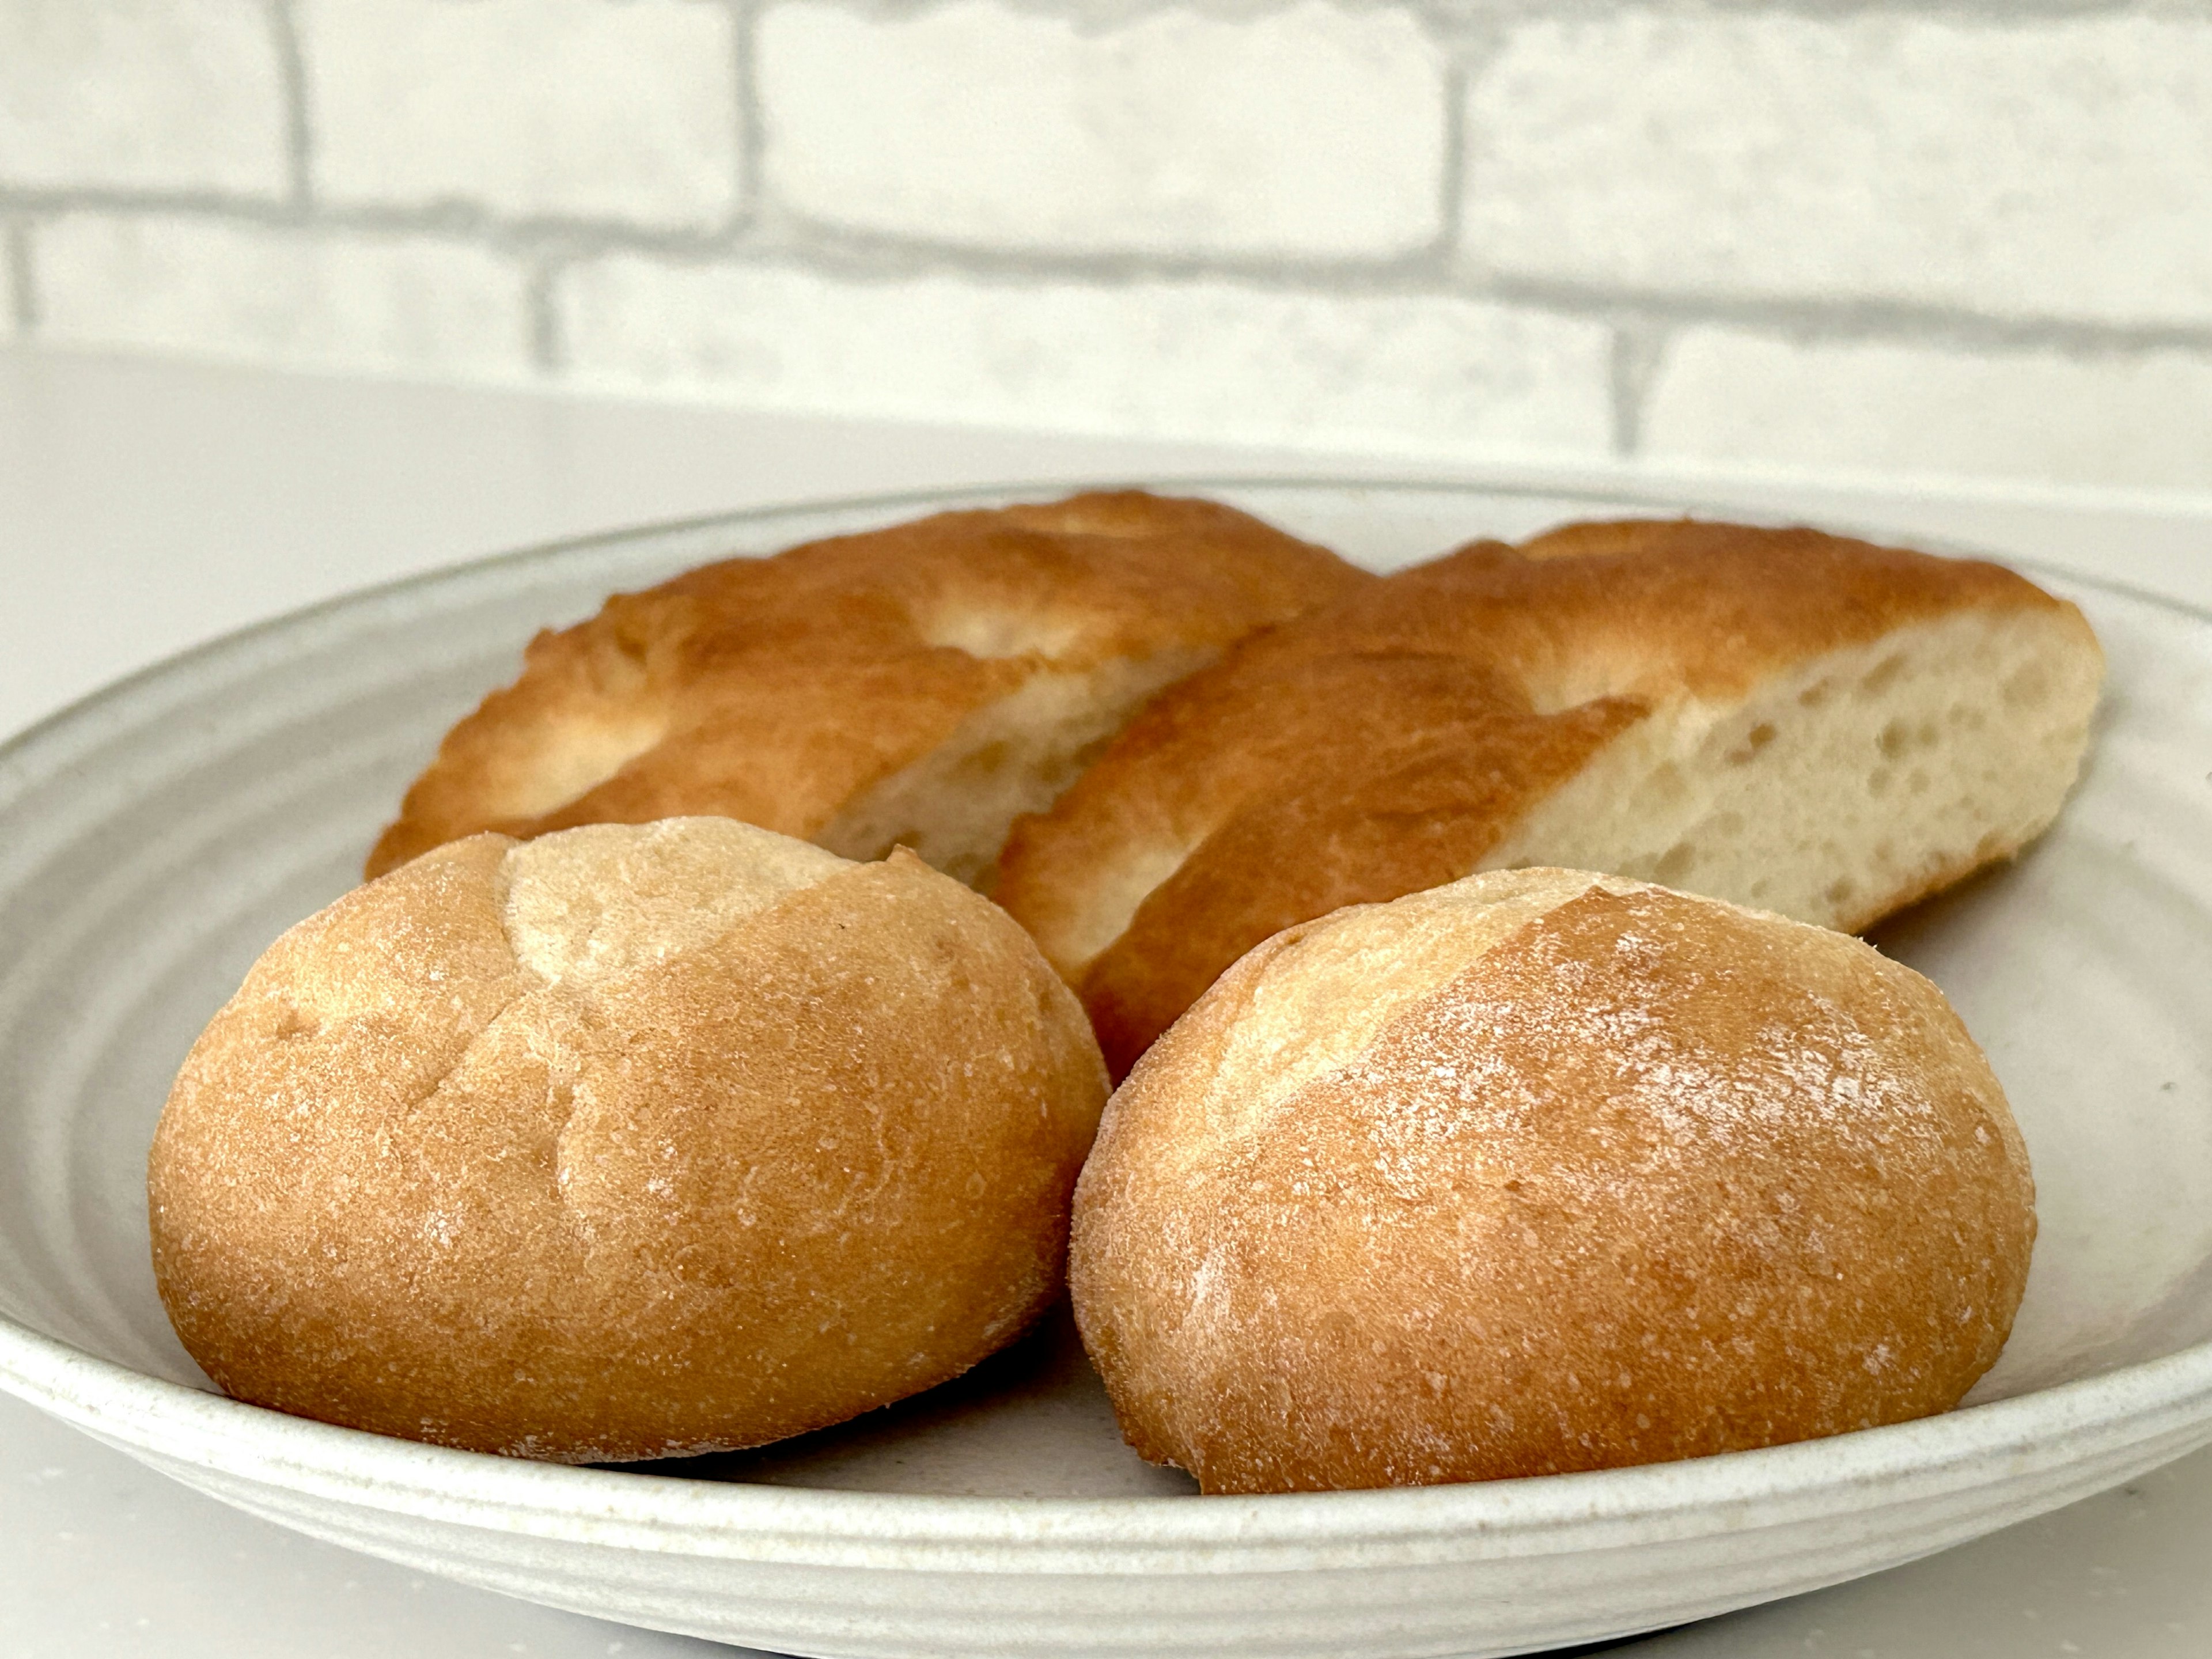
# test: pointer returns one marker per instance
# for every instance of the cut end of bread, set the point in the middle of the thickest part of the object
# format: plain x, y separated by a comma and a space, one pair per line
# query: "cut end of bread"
1852, 784
1820, 728
955, 805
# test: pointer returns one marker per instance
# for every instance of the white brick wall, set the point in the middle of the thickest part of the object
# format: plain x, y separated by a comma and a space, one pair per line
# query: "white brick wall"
1201, 359
1960, 238
2060, 169
332, 299
574, 108
1728, 397
140, 95
1312, 131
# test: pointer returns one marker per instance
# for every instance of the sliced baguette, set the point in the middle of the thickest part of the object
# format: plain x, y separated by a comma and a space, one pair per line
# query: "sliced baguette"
1787, 720
922, 684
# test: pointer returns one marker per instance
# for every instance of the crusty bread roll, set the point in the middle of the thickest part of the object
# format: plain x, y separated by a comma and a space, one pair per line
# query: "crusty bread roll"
1544, 1171
919, 685
1812, 726
625, 1143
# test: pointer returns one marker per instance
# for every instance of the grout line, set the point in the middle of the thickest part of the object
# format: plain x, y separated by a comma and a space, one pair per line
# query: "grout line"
453, 218
22, 279
1106, 15
1471, 42
775, 238
1639, 347
1453, 182
2024, 14
752, 131
549, 350
1850, 321
299, 131
1423, 269
792, 238
100, 198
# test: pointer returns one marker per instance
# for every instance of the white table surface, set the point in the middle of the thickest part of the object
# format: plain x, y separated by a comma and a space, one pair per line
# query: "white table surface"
148, 506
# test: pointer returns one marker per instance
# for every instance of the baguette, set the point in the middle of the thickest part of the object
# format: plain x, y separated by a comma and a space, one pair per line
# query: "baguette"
1790, 721
921, 685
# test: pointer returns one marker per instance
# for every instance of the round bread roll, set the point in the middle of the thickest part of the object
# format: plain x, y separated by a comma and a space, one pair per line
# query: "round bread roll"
1783, 718
1544, 1171
625, 1143
920, 685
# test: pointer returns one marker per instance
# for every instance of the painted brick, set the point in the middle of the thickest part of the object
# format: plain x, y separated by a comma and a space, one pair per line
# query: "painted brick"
1421, 374
141, 94
564, 108
1728, 397
2056, 168
403, 303
1309, 131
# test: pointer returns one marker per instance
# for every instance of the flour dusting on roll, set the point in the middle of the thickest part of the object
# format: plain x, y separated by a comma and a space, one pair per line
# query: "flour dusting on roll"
1544, 1171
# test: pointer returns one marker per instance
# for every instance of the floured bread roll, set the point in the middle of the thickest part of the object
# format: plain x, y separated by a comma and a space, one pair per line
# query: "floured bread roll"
1544, 1171
920, 685
626, 1143
1812, 726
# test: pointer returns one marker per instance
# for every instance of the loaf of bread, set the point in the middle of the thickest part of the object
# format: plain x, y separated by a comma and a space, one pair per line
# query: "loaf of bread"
624, 1143
1809, 724
921, 685
1543, 1171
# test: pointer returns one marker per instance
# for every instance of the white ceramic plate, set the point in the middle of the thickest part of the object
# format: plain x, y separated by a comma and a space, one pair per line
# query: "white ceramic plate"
154, 839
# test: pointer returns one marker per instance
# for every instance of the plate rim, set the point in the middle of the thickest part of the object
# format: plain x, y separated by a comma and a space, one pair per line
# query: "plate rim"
118, 1403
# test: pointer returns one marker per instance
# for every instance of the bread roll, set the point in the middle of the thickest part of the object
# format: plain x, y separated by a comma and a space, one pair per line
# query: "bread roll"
626, 1143
1812, 726
1543, 1171
920, 685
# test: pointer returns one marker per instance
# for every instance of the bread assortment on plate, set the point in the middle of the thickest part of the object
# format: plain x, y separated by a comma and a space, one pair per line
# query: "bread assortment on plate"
624, 1114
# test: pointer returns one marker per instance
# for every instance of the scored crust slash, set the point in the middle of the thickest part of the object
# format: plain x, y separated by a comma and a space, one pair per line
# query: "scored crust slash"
612, 1119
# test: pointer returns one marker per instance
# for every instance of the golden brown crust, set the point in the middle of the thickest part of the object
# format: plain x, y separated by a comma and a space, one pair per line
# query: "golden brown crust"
1389, 772
1652, 1178
1390, 743
406, 1181
1659, 607
778, 690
